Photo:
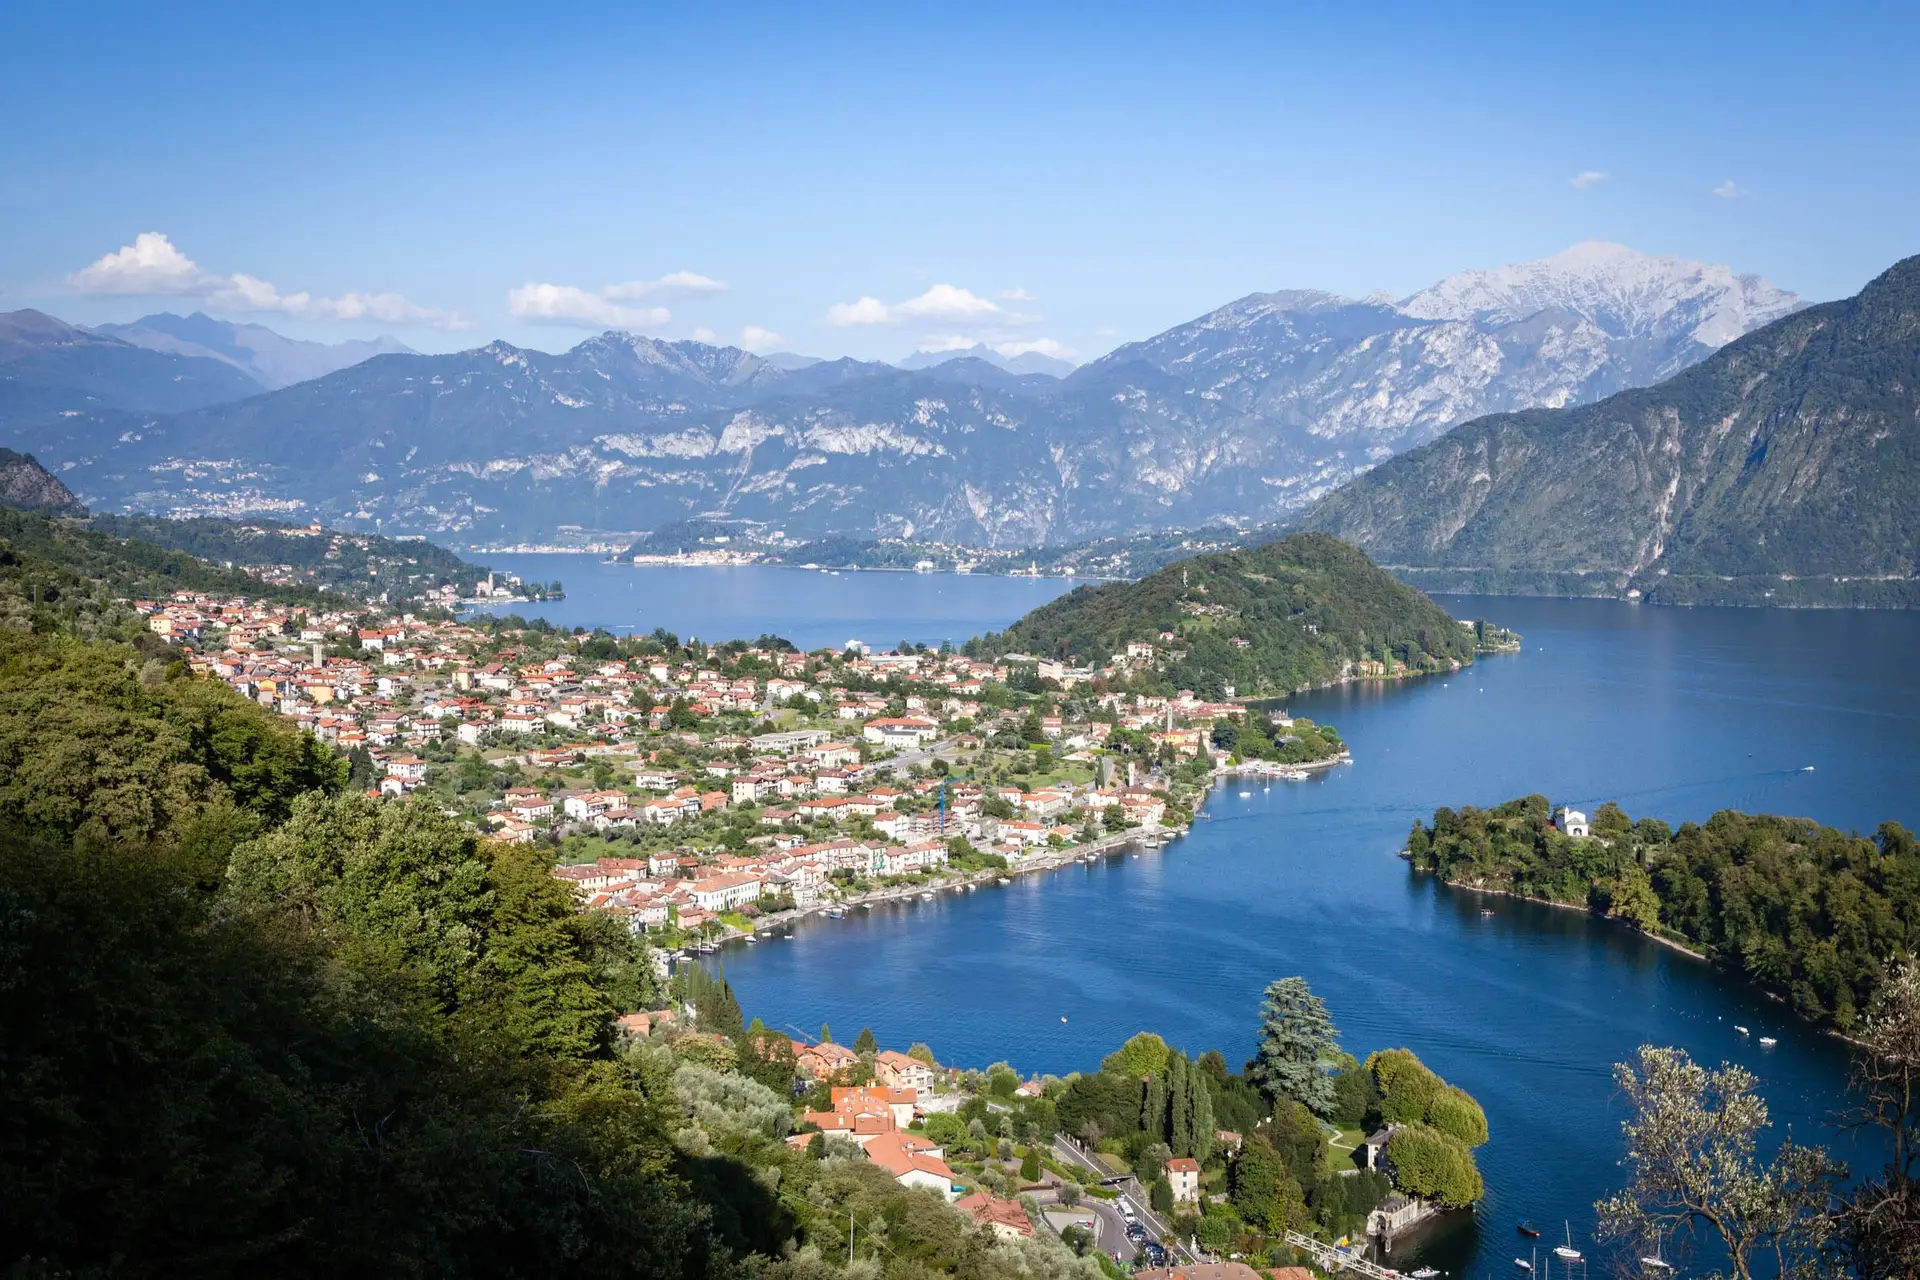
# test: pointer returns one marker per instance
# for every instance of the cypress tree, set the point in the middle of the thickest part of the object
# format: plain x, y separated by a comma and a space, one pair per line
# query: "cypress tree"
1179, 1107
1201, 1124
1153, 1108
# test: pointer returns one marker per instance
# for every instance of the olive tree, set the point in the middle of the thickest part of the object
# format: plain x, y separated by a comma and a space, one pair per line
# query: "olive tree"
1693, 1164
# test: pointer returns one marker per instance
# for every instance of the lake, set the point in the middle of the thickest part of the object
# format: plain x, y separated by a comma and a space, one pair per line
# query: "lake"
1671, 712
810, 607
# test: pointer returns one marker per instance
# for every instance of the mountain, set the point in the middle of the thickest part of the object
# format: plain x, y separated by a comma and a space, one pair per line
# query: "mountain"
271, 360
1237, 419
1784, 468
49, 367
1026, 363
1293, 614
27, 486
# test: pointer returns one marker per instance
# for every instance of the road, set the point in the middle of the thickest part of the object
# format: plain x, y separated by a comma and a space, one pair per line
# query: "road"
1065, 1151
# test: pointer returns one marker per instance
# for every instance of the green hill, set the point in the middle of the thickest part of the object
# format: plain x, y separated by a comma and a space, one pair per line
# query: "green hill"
60, 575
1783, 469
1293, 614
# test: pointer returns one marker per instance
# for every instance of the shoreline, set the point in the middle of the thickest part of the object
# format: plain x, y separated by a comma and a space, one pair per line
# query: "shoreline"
1470, 887
1134, 841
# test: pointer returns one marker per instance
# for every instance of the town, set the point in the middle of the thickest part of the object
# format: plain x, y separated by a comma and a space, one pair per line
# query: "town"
700, 792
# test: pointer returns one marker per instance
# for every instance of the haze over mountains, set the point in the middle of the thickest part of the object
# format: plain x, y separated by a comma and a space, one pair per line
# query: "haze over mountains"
270, 359
1781, 469
1242, 415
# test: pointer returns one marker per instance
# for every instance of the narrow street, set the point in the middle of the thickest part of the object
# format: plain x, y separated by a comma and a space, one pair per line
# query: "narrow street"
1132, 1196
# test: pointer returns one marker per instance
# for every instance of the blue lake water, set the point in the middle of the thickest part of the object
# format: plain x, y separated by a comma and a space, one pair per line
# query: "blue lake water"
809, 607
1671, 712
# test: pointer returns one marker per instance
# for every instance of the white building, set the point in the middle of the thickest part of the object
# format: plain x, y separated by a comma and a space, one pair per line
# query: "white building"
1572, 822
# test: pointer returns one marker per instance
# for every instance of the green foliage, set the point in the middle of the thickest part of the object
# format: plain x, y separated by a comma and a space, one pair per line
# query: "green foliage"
865, 1043
1030, 1165
1145, 1054
1299, 608
1297, 1038
94, 746
1433, 1165
1803, 910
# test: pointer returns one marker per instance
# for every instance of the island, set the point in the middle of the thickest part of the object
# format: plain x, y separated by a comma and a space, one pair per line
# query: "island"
1808, 913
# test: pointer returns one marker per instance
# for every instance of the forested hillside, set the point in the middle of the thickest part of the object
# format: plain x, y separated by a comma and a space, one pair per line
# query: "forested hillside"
1290, 615
1805, 911
358, 563
60, 575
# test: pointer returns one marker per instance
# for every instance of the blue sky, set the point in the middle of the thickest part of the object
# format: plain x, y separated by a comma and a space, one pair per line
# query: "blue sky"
865, 181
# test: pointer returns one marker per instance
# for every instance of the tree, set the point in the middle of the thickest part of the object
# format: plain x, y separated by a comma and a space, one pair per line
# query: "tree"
1179, 1107
1199, 1114
1256, 1179
1883, 1216
921, 1053
826, 1034
1145, 1054
1296, 1037
864, 1043
1030, 1165
1433, 1165
1692, 1139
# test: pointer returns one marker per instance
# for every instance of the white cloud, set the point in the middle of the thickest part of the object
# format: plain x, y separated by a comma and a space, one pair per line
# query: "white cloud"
756, 339
943, 302
152, 265
676, 284
1015, 295
1040, 346
945, 342
865, 311
706, 335
566, 304
1730, 190
1587, 178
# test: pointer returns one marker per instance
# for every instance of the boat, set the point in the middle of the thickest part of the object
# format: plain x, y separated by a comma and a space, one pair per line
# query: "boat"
1426, 1273
1767, 1042
1244, 795
1487, 911
1528, 1229
1655, 1262
1566, 1252
751, 939
928, 895
1742, 1030
1807, 769
1523, 1264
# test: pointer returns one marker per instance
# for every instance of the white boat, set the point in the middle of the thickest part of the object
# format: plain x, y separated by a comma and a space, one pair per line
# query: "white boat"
1523, 1264
1566, 1252
1767, 1042
1742, 1030
1807, 769
928, 895
1655, 1262
751, 939
1426, 1273
1245, 794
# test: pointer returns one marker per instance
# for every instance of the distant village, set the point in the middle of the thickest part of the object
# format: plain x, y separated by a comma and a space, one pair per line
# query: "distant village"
694, 790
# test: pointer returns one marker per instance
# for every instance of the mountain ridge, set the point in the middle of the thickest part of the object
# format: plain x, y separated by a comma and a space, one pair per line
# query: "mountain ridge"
1788, 457
272, 359
1239, 417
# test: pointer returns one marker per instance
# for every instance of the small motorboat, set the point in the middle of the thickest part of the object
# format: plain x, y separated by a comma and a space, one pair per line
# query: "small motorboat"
1742, 1030
1807, 769
1528, 1229
1523, 1264
1426, 1273
1246, 795
1487, 911
1767, 1042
